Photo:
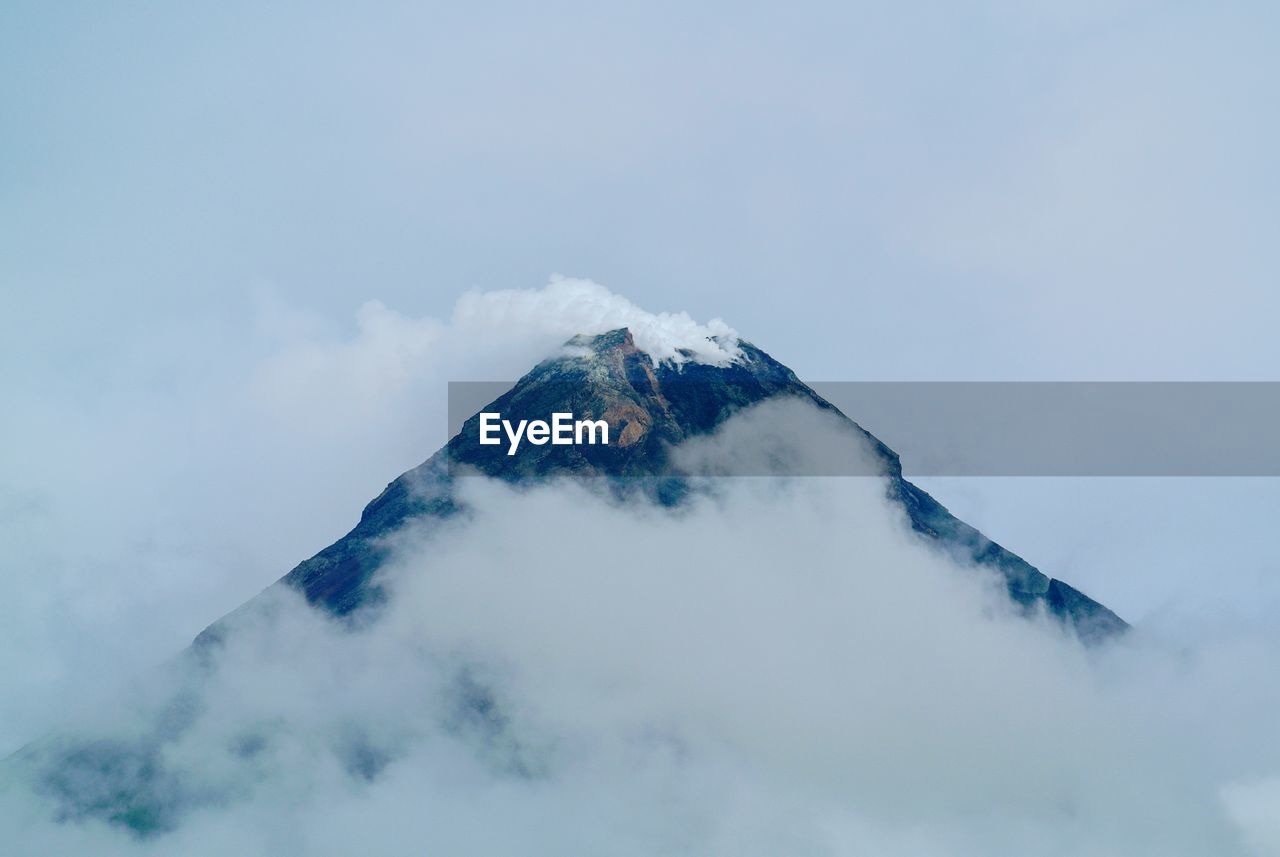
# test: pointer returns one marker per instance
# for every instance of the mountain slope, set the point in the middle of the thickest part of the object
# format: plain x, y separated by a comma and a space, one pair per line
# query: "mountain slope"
142, 779
651, 410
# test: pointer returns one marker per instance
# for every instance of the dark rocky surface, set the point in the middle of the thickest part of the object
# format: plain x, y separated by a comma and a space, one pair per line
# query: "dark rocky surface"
650, 410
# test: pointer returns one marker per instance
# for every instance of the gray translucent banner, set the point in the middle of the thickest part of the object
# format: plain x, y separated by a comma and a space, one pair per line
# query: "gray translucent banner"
1039, 428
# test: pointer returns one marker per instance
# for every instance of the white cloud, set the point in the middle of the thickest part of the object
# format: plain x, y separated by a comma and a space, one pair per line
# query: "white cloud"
779, 667
1255, 807
204, 467
568, 306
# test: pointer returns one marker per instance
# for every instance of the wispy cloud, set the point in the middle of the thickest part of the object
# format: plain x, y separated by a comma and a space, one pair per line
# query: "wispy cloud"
781, 663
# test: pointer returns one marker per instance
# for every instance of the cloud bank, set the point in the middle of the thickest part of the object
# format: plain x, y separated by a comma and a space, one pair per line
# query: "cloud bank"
778, 667
170, 483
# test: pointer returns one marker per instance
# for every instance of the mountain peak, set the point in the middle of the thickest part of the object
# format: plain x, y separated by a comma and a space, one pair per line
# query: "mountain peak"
617, 339
651, 406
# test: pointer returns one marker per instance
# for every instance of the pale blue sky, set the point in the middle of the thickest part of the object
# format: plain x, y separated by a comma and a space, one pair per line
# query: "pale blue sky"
870, 190
988, 190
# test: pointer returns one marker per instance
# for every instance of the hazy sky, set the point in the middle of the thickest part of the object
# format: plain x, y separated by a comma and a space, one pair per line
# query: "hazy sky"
977, 190
197, 202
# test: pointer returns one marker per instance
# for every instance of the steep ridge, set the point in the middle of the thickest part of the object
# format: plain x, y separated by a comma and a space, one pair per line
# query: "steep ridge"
651, 409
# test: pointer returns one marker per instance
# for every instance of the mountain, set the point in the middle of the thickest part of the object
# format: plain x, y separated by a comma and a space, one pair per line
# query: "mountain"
140, 780
651, 410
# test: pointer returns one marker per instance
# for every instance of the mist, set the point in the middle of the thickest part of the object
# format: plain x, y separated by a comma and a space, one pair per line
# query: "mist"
147, 499
776, 666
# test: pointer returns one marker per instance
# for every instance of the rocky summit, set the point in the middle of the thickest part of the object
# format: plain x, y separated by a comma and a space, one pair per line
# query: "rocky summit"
651, 408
